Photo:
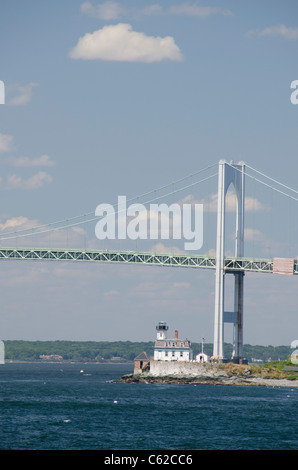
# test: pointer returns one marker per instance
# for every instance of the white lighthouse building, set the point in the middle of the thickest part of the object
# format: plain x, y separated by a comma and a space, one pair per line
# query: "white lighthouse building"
167, 349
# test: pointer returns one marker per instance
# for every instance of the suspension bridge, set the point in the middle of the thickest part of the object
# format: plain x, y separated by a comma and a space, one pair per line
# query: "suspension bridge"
228, 174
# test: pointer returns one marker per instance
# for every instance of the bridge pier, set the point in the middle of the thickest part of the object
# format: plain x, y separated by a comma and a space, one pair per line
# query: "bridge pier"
237, 354
229, 173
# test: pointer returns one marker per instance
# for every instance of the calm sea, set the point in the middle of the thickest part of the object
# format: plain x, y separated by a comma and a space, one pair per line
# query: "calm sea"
79, 407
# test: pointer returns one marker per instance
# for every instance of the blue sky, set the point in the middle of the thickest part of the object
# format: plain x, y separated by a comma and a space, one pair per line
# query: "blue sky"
118, 98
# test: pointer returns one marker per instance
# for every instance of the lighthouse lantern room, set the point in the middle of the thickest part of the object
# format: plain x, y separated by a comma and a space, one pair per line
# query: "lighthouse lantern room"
162, 329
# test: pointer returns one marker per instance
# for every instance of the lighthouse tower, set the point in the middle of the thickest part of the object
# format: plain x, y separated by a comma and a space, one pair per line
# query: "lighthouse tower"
162, 329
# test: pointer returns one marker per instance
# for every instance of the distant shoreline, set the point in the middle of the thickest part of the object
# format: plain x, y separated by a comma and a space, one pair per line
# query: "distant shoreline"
122, 351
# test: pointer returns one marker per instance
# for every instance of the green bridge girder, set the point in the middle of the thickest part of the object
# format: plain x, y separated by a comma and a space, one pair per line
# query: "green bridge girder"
232, 264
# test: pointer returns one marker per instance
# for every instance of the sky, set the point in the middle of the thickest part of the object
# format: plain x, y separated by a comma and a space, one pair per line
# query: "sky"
107, 99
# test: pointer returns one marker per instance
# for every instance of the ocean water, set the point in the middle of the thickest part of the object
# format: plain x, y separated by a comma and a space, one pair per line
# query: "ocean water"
80, 407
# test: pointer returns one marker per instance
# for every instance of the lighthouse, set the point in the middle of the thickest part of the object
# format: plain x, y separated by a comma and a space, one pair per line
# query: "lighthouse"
162, 329
175, 349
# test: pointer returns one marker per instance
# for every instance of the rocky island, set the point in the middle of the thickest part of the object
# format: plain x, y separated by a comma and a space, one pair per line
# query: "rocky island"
276, 374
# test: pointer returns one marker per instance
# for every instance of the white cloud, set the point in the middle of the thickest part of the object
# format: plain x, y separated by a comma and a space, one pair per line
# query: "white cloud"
23, 93
251, 234
34, 182
120, 43
32, 231
43, 160
18, 223
105, 11
197, 10
111, 10
278, 30
210, 203
211, 252
111, 294
260, 241
161, 248
5, 143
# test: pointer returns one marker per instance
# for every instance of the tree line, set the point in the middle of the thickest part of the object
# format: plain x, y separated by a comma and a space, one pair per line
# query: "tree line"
102, 351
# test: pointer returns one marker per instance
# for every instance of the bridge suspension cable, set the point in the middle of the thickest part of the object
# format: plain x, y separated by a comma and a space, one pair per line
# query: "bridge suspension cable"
267, 184
20, 233
50, 227
272, 179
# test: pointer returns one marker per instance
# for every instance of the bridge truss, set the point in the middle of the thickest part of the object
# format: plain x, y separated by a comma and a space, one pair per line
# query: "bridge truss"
231, 264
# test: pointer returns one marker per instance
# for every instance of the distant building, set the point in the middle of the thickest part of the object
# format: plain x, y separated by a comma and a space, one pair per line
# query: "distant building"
51, 357
141, 363
166, 349
202, 357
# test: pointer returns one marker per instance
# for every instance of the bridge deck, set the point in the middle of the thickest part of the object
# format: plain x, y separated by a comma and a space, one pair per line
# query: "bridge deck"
162, 259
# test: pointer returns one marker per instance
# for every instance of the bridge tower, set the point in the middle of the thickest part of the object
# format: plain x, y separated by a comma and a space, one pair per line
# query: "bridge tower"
229, 173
